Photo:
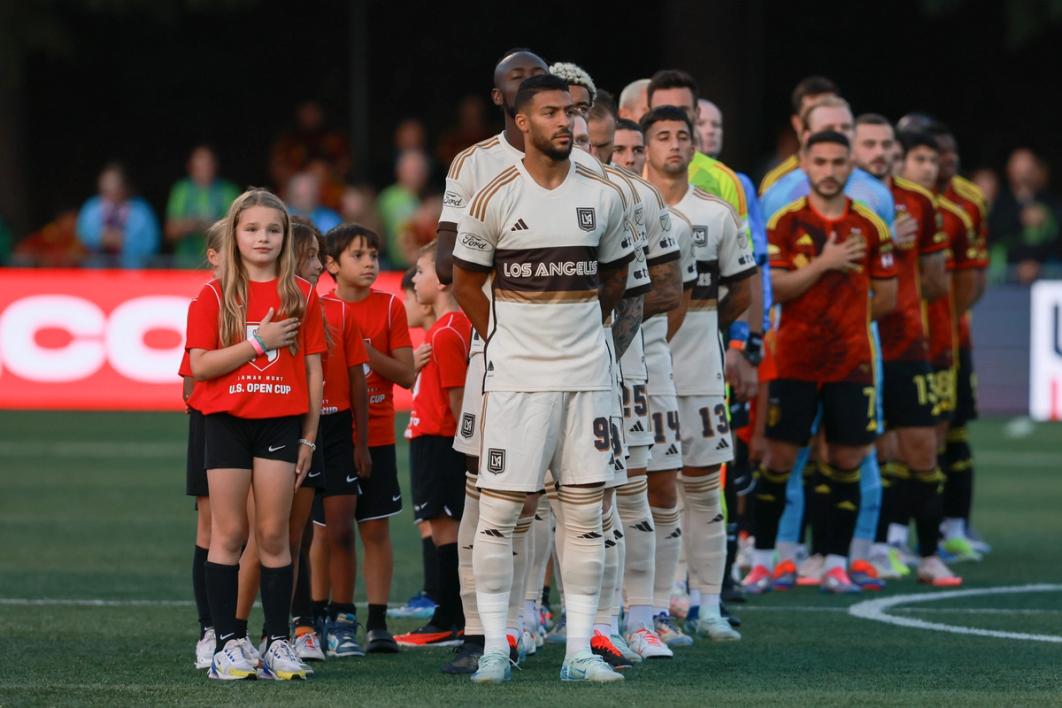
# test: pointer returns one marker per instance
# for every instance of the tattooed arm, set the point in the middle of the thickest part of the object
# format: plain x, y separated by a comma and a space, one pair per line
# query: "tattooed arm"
627, 318
667, 288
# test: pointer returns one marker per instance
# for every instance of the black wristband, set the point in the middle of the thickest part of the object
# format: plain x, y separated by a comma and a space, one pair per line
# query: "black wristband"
754, 348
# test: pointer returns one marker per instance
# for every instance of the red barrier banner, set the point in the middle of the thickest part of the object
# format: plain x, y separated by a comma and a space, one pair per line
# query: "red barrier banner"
104, 339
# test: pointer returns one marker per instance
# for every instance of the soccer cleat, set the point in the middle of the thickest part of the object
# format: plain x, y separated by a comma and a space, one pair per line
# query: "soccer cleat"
669, 632
602, 646
879, 558
429, 636
836, 581
897, 563
932, 571
976, 541
279, 662
230, 664
646, 644
420, 606
308, 647
758, 581
516, 651
679, 604
785, 576
204, 649
959, 550
380, 641
559, 633
467, 659
810, 570
620, 643
587, 666
343, 636
527, 644
865, 575
494, 667
715, 628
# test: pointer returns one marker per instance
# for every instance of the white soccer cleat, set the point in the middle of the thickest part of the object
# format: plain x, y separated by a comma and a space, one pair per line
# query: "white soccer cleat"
308, 647
280, 662
646, 644
620, 643
932, 571
230, 664
204, 649
494, 667
528, 646
669, 632
715, 628
589, 667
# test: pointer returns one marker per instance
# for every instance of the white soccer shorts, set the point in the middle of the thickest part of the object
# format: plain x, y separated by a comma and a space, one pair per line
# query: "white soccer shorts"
666, 453
466, 441
706, 438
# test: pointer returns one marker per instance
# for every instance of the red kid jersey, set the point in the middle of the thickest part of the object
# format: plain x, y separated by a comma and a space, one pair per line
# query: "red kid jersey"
823, 334
381, 318
904, 332
271, 385
450, 338
348, 350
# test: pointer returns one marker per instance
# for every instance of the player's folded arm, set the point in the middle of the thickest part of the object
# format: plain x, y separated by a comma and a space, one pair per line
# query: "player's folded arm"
445, 240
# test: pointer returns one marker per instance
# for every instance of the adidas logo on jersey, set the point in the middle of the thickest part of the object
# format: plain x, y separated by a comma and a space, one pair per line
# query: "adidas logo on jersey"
519, 226
722, 444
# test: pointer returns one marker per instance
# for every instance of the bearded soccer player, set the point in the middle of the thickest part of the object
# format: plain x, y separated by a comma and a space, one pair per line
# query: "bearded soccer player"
910, 476
547, 384
829, 255
805, 94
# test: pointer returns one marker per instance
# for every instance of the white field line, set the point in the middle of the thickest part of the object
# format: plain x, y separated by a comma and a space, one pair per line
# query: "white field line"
878, 611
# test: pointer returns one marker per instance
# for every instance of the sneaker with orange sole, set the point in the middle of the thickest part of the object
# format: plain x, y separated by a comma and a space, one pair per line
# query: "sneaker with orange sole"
809, 574
865, 575
785, 576
932, 571
603, 647
758, 581
836, 581
429, 636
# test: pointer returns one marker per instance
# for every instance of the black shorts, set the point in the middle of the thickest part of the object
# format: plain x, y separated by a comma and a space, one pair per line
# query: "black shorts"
315, 478
195, 478
437, 472
965, 391
340, 475
848, 412
317, 514
944, 392
380, 494
908, 396
233, 442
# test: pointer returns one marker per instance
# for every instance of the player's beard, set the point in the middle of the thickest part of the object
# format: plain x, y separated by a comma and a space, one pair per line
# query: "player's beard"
547, 148
829, 192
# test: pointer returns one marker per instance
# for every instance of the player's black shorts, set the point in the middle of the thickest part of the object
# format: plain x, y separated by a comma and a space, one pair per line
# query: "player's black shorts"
437, 472
195, 477
848, 411
944, 392
315, 478
908, 397
965, 391
380, 494
317, 513
233, 442
338, 432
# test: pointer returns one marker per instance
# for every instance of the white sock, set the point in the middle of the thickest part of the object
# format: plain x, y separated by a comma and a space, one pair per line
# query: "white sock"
521, 562
542, 530
492, 610
710, 605
879, 549
492, 562
583, 562
859, 549
466, 535
787, 550
954, 528
897, 535
639, 617
705, 532
763, 557
531, 615
639, 535
835, 561
668, 544
614, 625
579, 610
695, 598
609, 574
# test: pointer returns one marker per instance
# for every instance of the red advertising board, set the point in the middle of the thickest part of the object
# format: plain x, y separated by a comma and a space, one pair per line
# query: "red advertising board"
103, 339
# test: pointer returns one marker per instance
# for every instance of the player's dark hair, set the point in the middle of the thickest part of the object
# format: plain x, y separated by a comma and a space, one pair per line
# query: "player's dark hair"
340, 237
811, 86
910, 139
407, 278
669, 79
827, 136
604, 106
662, 113
628, 124
872, 119
535, 85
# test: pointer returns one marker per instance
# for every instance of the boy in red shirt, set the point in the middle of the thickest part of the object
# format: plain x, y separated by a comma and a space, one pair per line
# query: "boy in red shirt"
438, 471
353, 260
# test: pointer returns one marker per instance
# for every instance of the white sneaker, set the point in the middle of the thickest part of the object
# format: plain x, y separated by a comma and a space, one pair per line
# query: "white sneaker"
879, 558
669, 632
494, 667
811, 570
230, 664
280, 662
308, 647
932, 571
647, 645
589, 667
252, 654
620, 643
204, 649
527, 643
715, 628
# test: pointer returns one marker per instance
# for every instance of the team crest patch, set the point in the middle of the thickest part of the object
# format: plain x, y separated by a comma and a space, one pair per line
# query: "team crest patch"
271, 355
587, 218
665, 220
495, 460
468, 425
700, 235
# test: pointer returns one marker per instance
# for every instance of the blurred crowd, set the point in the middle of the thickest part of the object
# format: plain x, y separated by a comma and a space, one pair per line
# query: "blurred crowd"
309, 165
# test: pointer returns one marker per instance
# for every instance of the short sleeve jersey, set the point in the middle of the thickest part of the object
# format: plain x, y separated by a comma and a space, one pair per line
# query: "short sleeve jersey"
723, 255
381, 317
654, 330
943, 333
268, 386
824, 333
449, 338
861, 187
969, 196
348, 351
544, 248
904, 332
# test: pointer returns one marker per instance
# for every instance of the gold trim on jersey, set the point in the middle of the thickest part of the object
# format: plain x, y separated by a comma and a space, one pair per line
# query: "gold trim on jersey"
478, 208
545, 296
957, 210
590, 174
868, 214
792, 206
462, 157
609, 169
656, 192
910, 186
709, 197
708, 304
971, 191
778, 171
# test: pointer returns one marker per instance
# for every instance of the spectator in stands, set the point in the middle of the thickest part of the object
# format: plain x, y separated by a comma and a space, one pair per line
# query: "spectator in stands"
304, 193
310, 139
420, 229
196, 202
400, 201
56, 245
117, 228
1024, 223
358, 206
470, 129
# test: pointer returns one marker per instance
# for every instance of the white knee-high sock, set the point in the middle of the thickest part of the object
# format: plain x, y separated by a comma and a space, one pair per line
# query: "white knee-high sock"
492, 562
466, 535
609, 576
582, 562
621, 565
521, 562
705, 533
639, 534
542, 530
668, 542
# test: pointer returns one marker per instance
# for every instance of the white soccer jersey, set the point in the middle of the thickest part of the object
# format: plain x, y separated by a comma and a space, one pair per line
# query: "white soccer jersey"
544, 248
472, 169
654, 329
723, 255
638, 274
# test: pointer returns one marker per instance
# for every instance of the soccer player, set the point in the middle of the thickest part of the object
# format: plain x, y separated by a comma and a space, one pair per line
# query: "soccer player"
581, 86
805, 94
628, 146
438, 471
554, 236
260, 426
723, 257
353, 260
633, 100
829, 256
910, 477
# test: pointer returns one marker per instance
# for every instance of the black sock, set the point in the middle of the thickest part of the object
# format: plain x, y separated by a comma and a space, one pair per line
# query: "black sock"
241, 628
817, 510
377, 617
843, 508
769, 499
343, 607
926, 485
888, 490
545, 596
202, 602
448, 613
276, 599
809, 477
221, 583
477, 639
430, 563
957, 463
301, 607
320, 611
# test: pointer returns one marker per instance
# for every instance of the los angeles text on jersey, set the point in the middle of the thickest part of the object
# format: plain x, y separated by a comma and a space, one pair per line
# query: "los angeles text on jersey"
547, 270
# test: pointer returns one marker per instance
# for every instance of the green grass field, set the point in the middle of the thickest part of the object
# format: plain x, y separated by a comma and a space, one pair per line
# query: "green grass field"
92, 508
